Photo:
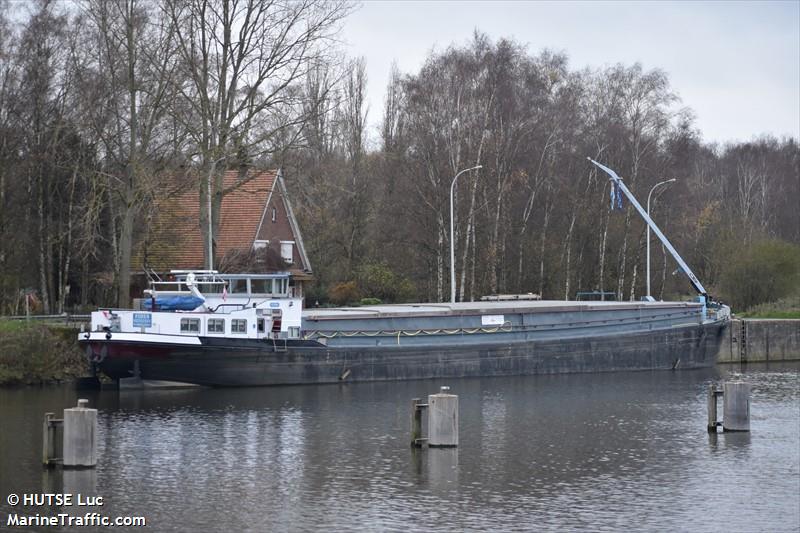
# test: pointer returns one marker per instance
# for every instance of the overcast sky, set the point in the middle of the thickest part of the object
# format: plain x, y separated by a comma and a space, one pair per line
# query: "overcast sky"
735, 64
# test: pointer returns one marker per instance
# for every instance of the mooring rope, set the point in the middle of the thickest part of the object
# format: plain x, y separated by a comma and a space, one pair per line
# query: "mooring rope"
505, 328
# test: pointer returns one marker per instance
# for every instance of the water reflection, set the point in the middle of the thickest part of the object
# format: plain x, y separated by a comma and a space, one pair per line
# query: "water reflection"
586, 451
80, 481
442, 470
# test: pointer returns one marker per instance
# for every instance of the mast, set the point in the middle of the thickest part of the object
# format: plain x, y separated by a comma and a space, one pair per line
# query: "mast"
618, 181
210, 226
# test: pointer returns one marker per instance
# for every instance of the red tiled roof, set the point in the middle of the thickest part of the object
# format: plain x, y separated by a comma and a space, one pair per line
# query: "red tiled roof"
174, 239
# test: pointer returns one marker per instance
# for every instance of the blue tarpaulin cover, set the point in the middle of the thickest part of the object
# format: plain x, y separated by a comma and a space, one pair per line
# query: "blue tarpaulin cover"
173, 303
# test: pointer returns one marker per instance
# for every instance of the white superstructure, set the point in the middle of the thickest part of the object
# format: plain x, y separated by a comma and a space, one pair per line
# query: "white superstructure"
246, 306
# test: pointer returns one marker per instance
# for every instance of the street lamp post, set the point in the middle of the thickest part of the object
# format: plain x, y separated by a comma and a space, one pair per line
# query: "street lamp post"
452, 232
648, 230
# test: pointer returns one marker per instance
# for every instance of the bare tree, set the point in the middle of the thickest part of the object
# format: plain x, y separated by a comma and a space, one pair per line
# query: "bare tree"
127, 69
8, 85
244, 62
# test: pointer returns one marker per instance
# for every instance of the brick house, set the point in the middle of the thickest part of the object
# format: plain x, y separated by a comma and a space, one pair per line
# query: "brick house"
257, 231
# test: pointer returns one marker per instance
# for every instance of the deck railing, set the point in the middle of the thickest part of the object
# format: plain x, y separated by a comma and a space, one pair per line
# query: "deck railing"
64, 318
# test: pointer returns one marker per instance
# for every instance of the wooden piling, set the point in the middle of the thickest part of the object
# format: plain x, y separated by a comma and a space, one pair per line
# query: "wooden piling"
49, 428
714, 422
416, 422
712, 408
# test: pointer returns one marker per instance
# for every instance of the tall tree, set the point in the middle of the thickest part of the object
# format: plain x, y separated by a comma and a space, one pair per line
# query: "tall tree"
244, 62
127, 68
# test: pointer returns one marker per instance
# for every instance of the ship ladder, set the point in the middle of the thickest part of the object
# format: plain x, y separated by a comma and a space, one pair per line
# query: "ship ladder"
277, 346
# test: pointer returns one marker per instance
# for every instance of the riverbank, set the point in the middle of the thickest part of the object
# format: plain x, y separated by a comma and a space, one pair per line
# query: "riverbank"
787, 307
35, 354
753, 340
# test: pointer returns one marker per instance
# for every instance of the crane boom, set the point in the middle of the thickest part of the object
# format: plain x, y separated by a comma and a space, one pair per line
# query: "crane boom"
618, 181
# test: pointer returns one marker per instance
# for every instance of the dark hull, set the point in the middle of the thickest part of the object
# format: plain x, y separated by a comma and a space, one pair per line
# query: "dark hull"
223, 362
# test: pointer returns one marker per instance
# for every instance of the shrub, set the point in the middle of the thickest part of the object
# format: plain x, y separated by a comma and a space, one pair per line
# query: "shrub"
381, 282
35, 353
761, 272
344, 293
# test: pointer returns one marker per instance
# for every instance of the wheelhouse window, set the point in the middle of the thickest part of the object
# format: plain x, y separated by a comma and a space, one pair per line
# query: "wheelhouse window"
261, 286
237, 286
190, 325
238, 325
216, 325
211, 288
281, 286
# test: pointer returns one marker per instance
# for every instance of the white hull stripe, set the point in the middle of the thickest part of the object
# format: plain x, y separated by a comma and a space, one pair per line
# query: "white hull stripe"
154, 338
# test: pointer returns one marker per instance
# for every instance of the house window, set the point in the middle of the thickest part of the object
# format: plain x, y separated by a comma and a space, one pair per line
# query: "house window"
238, 325
216, 325
287, 248
274, 214
260, 245
190, 325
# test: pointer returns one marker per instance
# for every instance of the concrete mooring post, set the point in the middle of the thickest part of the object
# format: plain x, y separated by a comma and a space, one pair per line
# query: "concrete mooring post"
736, 406
443, 419
80, 436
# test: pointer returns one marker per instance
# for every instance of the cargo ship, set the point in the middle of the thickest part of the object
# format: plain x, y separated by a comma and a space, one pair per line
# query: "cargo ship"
192, 329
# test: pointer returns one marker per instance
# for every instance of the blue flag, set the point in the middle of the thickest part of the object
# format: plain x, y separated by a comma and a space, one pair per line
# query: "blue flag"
616, 196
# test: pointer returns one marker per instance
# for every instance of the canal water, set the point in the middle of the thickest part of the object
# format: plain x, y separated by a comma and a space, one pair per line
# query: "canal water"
601, 452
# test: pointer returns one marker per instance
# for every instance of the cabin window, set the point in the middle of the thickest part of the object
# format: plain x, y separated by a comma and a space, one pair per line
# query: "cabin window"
211, 288
261, 286
294, 332
190, 325
274, 214
279, 286
238, 325
237, 286
287, 251
216, 325
261, 325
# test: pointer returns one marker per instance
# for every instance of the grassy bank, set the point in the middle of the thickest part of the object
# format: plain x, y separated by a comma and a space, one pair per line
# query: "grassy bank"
788, 307
37, 353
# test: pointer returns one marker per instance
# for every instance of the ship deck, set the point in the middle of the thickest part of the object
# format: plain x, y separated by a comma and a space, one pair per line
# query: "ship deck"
481, 308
